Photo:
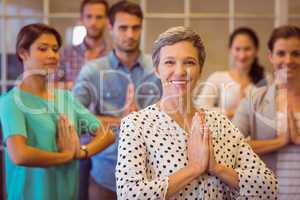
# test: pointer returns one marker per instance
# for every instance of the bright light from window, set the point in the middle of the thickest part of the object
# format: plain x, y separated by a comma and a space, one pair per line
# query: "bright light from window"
79, 33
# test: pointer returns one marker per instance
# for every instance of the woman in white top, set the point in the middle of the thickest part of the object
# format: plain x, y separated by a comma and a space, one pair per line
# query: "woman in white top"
170, 150
223, 90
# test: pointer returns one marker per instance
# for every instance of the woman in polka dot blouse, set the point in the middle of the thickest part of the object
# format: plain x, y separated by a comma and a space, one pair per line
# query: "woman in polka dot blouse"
170, 150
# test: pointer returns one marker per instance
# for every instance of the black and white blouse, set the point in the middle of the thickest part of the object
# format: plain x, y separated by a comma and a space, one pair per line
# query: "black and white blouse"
152, 146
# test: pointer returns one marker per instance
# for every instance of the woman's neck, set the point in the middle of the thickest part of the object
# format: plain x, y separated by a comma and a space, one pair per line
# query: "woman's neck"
238, 72
181, 110
288, 97
239, 75
294, 88
36, 85
181, 105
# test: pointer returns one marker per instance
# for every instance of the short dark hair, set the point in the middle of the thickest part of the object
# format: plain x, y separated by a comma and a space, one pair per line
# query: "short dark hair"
127, 7
30, 33
286, 31
85, 2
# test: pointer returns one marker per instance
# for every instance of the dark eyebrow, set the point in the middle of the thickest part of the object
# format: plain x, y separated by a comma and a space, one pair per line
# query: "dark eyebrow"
128, 26
280, 50
189, 57
137, 26
46, 44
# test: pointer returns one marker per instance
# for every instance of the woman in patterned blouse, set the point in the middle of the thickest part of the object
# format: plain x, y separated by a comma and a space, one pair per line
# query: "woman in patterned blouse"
170, 150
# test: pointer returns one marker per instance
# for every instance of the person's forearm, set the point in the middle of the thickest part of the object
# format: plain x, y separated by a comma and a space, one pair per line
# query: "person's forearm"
296, 139
64, 84
266, 146
227, 175
179, 179
109, 121
34, 157
101, 141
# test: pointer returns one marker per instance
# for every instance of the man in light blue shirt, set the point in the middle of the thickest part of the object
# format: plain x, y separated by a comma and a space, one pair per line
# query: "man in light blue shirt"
115, 85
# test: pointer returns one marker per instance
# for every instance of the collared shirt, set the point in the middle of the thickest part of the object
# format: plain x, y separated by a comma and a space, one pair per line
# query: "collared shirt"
256, 117
72, 59
102, 86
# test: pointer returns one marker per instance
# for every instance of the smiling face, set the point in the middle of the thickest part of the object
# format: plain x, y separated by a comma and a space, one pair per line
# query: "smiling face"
42, 55
243, 51
178, 68
285, 58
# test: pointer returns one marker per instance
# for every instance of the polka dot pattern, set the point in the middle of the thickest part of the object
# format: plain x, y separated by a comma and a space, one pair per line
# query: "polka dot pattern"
152, 146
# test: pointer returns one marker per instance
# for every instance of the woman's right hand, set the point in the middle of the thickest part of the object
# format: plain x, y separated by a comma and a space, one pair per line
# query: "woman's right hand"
198, 145
283, 133
230, 112
67, 138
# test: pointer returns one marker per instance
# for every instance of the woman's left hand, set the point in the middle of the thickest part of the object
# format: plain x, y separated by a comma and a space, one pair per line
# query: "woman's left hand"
293, 129
75, 138
213, 166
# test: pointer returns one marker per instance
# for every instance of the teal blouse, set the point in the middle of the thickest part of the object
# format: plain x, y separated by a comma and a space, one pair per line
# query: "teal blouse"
35, 118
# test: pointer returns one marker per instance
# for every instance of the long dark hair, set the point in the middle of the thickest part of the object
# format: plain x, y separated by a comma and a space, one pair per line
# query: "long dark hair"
257, 71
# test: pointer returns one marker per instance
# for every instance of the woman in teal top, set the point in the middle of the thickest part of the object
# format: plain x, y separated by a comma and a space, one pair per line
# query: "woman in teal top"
41, 125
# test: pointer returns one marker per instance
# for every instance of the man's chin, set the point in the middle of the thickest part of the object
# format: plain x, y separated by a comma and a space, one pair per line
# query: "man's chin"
95, 36
130, 49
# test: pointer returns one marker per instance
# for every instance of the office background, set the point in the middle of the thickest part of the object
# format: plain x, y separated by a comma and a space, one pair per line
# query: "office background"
212, 19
